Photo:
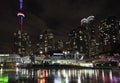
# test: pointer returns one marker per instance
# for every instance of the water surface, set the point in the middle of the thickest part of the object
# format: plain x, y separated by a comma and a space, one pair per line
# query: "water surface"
59, 76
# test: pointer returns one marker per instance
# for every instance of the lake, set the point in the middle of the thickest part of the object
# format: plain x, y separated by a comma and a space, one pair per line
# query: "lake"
49, 75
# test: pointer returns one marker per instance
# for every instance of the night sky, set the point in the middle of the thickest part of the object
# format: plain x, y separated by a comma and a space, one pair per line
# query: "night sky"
59, 16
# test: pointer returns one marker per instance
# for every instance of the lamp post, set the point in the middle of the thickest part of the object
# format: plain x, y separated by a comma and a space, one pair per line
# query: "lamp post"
76, 56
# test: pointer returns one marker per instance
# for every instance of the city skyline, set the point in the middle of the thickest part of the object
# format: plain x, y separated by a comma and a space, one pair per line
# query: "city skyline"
60, 17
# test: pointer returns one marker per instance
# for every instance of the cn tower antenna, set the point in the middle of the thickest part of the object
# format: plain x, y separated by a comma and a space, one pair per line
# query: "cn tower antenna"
21, 15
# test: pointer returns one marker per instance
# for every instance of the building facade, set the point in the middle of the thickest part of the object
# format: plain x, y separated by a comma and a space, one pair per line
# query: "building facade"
109, 35
46, 42
78, 40
22, 43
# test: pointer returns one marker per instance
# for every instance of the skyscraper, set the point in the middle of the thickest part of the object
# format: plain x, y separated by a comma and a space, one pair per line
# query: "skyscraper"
92, 35
22, 43
46, 41
109, 35
78, 40
84, 38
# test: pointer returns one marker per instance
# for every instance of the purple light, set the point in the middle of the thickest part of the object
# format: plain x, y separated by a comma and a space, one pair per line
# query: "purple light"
21, 6
20, 14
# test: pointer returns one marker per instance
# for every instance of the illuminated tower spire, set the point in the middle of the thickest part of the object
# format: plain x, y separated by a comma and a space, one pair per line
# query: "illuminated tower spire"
22, 43
21, 15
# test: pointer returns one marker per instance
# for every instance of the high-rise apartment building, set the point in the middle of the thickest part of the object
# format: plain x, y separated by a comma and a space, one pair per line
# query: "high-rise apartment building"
92, 35
46, 41
84, 39
109, 35
22, 43
78, 40
59, 45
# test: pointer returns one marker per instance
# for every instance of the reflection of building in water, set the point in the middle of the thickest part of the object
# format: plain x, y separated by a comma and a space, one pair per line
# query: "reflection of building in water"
42, 75
60, 76
4, 78
57, 79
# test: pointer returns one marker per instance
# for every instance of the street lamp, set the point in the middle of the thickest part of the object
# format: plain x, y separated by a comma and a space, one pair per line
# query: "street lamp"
41, 52
76, 56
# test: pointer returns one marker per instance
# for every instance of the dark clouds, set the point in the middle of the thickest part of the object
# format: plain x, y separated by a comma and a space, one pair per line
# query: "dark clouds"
58, 15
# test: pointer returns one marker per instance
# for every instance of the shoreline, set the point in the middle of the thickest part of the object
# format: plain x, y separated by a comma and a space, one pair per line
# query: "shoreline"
43, 66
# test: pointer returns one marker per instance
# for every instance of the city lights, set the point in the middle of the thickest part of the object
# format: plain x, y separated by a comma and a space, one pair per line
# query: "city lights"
60, 41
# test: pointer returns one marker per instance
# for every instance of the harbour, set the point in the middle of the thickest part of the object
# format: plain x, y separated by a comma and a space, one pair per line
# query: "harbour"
55, 75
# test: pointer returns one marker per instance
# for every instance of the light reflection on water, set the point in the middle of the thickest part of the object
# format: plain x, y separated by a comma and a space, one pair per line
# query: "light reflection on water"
59, 76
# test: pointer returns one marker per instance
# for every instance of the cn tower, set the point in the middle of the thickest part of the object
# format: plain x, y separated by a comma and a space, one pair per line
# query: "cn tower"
20, 15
